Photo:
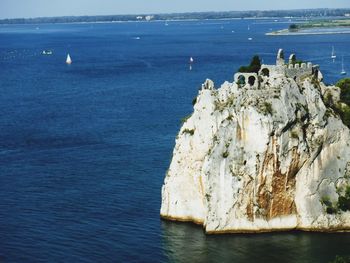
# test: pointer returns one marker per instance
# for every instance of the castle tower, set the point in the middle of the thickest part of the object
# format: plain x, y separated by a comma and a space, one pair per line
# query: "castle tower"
292, 59
280, 58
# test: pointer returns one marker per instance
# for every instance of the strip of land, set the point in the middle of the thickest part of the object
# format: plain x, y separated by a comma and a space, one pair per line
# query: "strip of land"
300, 13
317, 27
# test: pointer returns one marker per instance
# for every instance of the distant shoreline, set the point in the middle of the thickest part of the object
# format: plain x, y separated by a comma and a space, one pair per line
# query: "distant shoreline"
315, 27
136, 21
189, 16
168, 20
285, 32
152, 21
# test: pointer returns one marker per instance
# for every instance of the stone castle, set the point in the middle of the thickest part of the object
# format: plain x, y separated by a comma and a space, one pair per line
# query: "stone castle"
264, 153
292, 69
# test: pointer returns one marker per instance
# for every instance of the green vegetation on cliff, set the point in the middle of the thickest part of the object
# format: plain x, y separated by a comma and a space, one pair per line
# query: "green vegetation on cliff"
339, 259
344, 85
343, 108
343, 203
254, 66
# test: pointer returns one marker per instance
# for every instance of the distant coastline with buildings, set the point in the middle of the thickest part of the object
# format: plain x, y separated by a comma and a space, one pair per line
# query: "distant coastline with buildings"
300, 13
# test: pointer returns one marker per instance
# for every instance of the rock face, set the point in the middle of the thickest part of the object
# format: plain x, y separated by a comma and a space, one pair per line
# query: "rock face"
263, 153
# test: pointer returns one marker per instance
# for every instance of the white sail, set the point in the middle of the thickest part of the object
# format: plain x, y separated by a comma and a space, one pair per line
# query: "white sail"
333, 53
68, 60
343, 72
191, 60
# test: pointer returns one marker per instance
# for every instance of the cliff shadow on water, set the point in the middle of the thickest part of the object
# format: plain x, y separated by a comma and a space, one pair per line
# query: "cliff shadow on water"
187, 242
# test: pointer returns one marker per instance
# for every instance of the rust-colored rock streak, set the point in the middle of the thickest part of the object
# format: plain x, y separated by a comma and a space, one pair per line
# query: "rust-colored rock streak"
277, 199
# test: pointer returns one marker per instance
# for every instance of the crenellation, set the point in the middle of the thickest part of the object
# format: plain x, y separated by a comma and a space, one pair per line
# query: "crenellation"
280, 58
294, 69
292, 59
297, 70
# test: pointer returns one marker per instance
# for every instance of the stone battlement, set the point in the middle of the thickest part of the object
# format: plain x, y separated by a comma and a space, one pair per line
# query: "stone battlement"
293, 69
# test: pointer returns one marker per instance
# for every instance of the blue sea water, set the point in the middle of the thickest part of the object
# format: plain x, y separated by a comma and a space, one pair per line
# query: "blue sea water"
84, 148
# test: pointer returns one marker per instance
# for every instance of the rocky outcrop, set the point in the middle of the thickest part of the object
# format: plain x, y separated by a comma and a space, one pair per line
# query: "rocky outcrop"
263, 153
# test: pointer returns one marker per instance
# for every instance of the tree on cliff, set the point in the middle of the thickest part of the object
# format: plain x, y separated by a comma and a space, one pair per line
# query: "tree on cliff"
254, 66
343, 108
344, 85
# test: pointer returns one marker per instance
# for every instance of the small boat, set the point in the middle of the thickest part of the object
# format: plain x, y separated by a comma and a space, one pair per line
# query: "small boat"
250, 38
333, 56
47, 52
191, 62
343, 72
69, 60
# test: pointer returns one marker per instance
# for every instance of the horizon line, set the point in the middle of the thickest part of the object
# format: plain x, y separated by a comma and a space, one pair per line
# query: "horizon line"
185, 12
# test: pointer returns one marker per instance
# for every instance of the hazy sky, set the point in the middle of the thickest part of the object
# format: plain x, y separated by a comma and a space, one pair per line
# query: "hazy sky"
36, 8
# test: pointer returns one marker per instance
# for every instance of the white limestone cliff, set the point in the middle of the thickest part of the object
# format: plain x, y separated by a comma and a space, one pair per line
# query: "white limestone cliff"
264, 156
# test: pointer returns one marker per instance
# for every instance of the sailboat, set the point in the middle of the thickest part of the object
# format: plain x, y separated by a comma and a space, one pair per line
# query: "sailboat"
69, 60
333, 53
47, 52
343, 72
191, 62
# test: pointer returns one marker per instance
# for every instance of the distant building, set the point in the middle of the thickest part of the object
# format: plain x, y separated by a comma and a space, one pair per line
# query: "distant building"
348, 14
148, 18
139, 17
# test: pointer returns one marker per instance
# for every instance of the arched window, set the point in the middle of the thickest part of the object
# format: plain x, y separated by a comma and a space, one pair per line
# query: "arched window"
265, 72
241, 80
251, 80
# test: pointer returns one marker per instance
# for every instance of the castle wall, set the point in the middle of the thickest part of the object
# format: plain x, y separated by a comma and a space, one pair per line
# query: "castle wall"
246, 77
298, 71
274, 71
292, 70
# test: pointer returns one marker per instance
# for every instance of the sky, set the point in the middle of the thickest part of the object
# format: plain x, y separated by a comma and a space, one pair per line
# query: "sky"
40, 8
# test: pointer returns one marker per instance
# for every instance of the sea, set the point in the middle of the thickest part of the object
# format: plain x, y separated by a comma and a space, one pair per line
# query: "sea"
84, 148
